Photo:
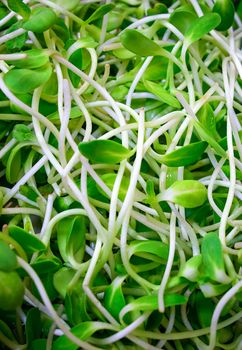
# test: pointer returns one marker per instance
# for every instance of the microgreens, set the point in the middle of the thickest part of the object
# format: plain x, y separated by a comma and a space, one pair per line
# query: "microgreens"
120, 166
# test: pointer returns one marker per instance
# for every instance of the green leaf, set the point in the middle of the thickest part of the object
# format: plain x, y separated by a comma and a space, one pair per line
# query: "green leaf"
157, 69
22, 132
83, 331
17, 43
104, 151
41, 19
190, 270
71, 238
61, 280
225, 9
100, 12
207, 119
22, 81
67, 5
210, 290
76, 305
145, 47
19, 7
45, 264
212, 257
8, 260
204, 309
150, 302
11, 290
14, 169
39, 344
187, 193
113, 297
163, 95
76, 59
186, 155
109, 180
32, 326
35, 58
4, 328
29, 242
182, 18
207, 136
157, 248
201, 26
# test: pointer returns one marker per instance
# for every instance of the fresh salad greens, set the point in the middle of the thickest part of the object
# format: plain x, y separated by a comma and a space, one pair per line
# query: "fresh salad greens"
120, 165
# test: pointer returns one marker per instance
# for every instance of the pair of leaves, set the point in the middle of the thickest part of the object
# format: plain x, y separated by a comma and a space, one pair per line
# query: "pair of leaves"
146, 47
187, 193
22, 81
38, 20
104, 151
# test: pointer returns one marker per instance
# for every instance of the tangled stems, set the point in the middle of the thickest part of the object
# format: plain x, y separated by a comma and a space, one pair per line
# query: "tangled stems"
120, 169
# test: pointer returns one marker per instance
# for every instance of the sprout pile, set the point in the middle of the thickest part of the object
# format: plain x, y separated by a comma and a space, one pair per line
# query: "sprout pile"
120, 165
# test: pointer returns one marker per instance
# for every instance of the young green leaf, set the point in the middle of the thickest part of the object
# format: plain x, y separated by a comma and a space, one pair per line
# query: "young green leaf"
20, 8
150, 303
18, 42
212, 257
206, 135
45, 264
210, 290
67, 5
35, 58
22, 81
207, 119
204, 308
76, 59
104, 151
83, 331
157, 248
183, 17
163, 94
61, 280
201, 26
71, 238
145, 47
29, 242
41, 19
226, 10
113, 297
190, 270
32, 326
186, 155
8, 260
76, 305
187, 193
22, 132
11, 290
100, 12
